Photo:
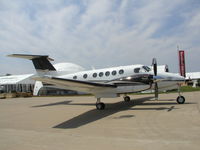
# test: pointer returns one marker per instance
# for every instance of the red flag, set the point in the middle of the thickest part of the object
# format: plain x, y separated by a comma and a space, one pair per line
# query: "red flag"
182, 62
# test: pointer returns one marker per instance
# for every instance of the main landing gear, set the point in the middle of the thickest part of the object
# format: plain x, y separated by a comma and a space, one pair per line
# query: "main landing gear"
180, 99
127, 98
99, 104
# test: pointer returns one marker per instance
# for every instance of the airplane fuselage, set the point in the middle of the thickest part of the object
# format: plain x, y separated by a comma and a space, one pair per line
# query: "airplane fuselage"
125, 77
108, 82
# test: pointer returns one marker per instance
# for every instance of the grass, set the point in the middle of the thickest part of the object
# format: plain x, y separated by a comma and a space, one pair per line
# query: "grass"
189, 89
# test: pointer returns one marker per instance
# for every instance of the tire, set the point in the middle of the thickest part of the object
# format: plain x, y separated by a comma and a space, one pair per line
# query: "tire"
180, 100
127, 99
100, 106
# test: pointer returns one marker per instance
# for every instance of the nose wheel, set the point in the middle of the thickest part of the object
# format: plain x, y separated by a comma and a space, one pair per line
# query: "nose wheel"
180, 100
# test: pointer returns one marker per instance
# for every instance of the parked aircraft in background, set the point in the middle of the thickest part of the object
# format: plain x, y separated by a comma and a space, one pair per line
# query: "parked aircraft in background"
108, 82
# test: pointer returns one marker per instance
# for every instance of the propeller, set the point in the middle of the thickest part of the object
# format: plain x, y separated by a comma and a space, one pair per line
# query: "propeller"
154, 64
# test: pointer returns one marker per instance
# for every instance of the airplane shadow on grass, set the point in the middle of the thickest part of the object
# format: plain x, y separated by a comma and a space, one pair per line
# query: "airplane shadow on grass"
94, 115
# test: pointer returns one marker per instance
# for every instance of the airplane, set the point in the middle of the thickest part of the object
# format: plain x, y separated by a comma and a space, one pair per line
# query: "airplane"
108, 82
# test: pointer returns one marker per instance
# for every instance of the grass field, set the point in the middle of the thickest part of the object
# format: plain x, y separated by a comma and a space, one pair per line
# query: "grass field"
189, 89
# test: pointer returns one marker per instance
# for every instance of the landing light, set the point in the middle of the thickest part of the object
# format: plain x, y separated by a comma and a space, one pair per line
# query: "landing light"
128, 78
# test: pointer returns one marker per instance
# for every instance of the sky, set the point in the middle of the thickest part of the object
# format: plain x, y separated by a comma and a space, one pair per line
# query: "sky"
99, 33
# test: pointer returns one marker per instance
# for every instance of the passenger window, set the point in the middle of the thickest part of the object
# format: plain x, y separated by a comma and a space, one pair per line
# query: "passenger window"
74, 77
137, 70
85, 76
121, 71
107, 73
114, 73
100, 74
94, 75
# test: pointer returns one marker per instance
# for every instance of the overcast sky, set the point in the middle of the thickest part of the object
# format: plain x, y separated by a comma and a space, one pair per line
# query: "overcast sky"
99, 33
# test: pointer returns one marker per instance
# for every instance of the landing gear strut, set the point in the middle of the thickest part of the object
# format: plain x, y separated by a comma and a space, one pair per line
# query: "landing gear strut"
100, 105
180, 99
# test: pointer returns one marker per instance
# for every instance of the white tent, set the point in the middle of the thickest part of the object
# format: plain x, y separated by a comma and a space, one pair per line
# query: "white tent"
18, 83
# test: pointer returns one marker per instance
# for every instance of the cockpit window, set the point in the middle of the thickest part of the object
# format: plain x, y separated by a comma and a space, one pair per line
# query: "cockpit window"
137, 70
146, 68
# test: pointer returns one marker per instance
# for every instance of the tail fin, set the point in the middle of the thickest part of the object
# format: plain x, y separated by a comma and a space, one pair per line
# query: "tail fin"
40, 62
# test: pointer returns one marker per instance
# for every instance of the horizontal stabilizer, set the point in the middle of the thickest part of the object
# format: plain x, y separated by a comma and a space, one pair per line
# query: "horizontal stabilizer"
40, 62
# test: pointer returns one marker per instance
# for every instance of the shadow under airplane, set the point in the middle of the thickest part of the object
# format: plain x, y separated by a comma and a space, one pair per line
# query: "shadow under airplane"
93, 115
53, 104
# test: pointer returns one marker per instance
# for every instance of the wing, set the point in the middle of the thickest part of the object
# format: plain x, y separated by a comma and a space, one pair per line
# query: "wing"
76, 85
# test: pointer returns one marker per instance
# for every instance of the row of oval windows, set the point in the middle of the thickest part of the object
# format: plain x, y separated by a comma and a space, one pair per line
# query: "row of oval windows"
107, 73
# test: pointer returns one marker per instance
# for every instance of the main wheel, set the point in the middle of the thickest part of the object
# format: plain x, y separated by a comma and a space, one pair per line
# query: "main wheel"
127, 99
180, 100
100, 106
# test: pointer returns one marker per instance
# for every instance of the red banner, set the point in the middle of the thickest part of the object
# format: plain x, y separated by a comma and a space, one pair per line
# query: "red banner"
182, 62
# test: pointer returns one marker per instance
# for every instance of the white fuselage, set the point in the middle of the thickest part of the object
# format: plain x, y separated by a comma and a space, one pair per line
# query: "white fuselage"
115, 75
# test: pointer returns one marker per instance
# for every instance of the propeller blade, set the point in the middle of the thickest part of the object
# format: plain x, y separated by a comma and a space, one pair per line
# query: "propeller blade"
156, 91
154, 64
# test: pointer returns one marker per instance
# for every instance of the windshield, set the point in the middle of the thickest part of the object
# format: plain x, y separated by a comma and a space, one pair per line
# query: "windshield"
146, 68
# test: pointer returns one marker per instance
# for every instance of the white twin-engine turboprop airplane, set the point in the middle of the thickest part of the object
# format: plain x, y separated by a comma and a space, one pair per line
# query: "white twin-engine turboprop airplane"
107, 82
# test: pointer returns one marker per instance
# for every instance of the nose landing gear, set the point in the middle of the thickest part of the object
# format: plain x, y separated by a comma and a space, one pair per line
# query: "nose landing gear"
180, 99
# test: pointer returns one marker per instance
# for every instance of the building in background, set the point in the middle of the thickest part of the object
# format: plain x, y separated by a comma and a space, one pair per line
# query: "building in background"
16, 83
